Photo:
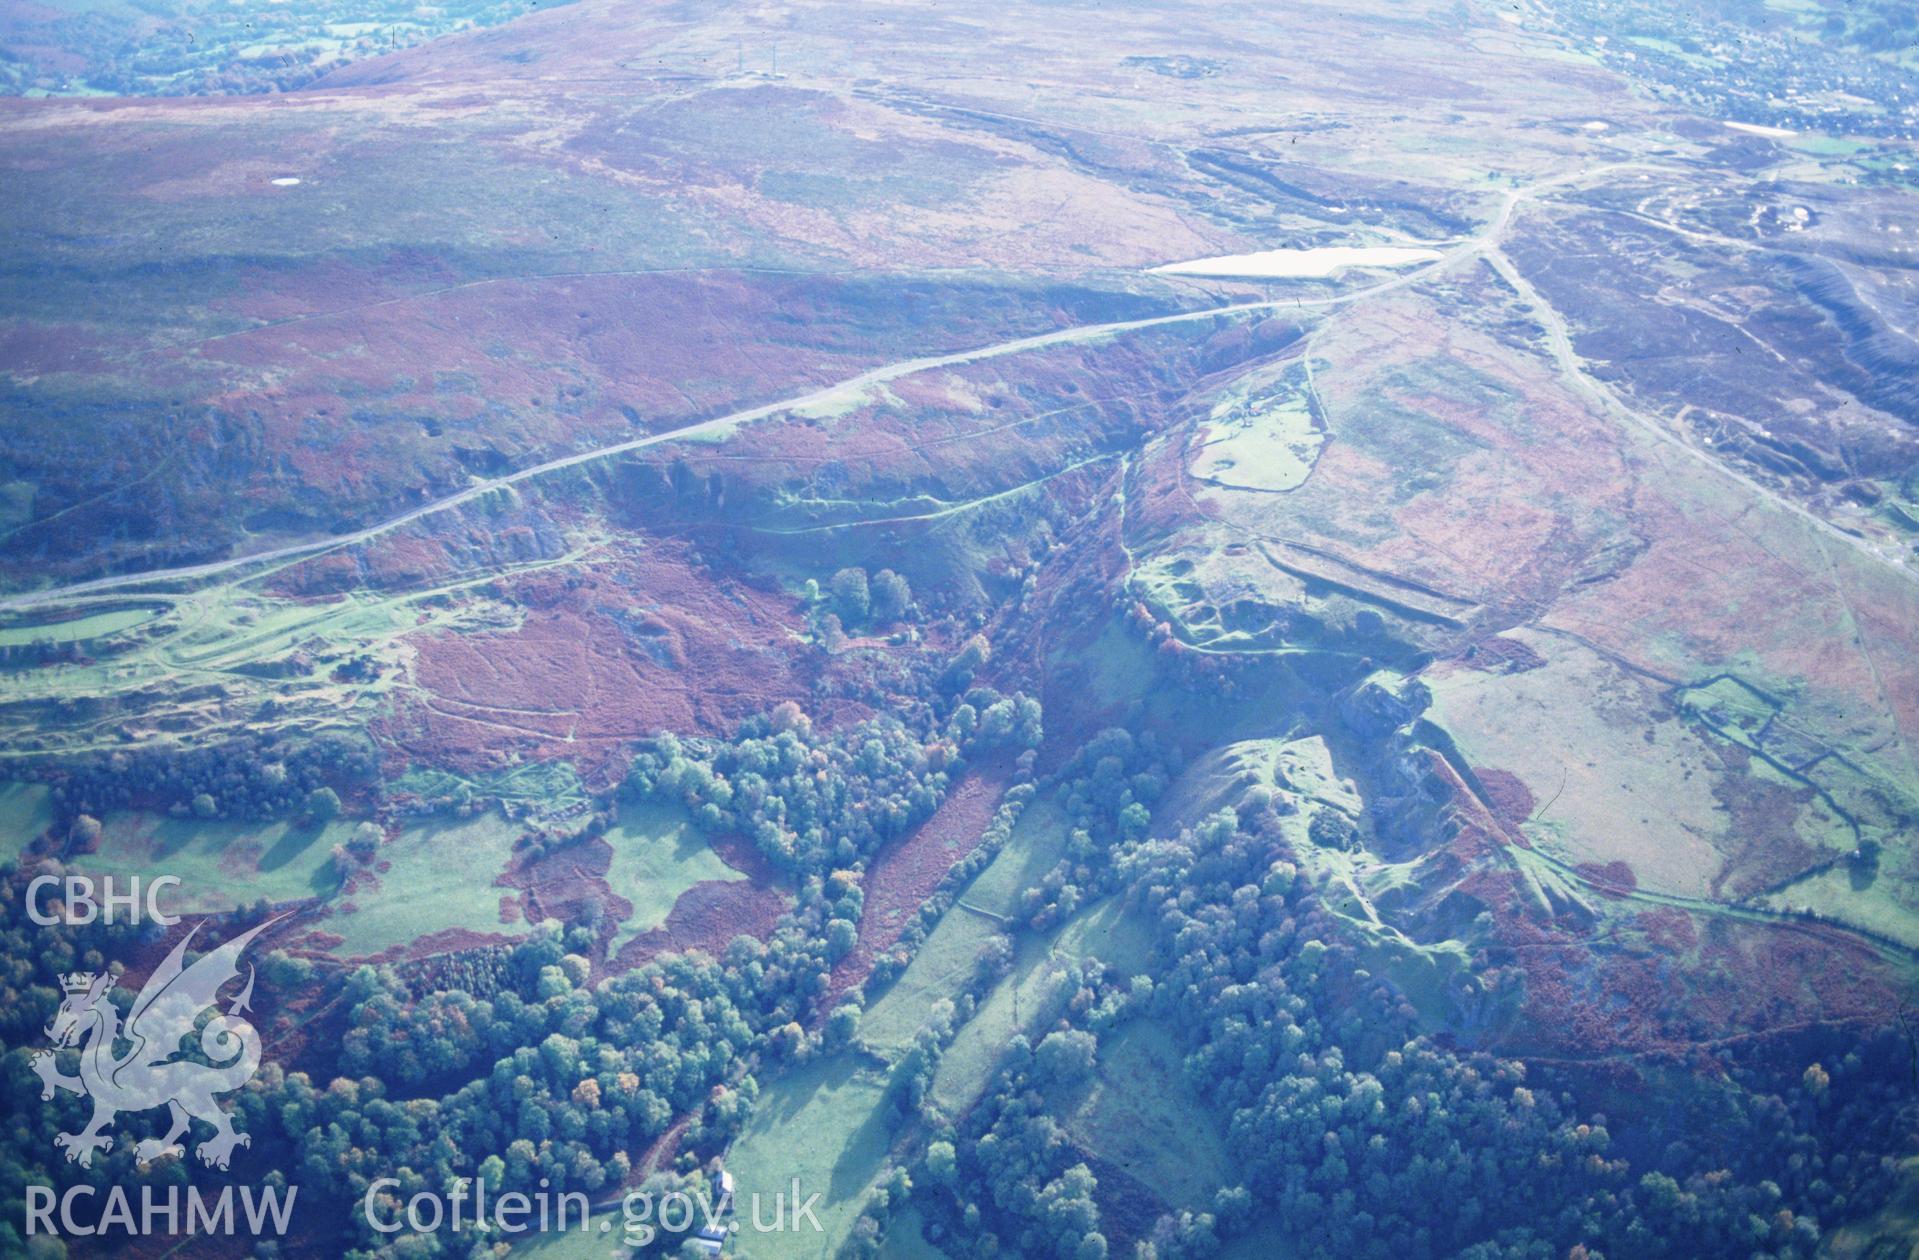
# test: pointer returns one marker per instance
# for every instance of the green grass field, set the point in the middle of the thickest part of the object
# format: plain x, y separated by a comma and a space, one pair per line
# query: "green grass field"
1165, 1136
938, 971
76, 629
25, 812
220, 864
944, 962
657, 855
591, 1243
1221, 779
1028, 999
1017, 1004
1614, 778
1118, 664
906, 1238
1037, 842
1108, 931
440, 875
822, 1125
1886, 903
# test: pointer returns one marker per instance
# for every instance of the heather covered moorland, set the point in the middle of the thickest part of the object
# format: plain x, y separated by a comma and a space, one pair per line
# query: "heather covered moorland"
1165, 631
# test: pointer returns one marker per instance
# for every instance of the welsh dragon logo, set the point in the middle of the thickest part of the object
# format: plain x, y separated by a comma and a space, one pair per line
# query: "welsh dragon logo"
150, 1074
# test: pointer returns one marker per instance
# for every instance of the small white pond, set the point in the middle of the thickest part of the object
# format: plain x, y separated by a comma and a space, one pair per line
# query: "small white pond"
286, 181
1754, 129
1312, 263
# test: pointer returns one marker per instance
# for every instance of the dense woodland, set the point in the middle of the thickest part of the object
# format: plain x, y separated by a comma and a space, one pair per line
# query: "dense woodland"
518, 1054
522, 1067
1342, 1122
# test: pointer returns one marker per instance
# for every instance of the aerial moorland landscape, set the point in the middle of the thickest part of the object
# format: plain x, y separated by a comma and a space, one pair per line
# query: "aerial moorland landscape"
1163, 630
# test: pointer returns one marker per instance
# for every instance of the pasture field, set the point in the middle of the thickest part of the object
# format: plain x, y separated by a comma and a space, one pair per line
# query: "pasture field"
25, 812
82, 629
939, 971
1109, 931
1164, 1136
1881, 901
1616, 774
1038, 840
1029, 998
944, 962
591, 1243
220, 864
824, 1125
436, 875
657, 855
906, 1238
